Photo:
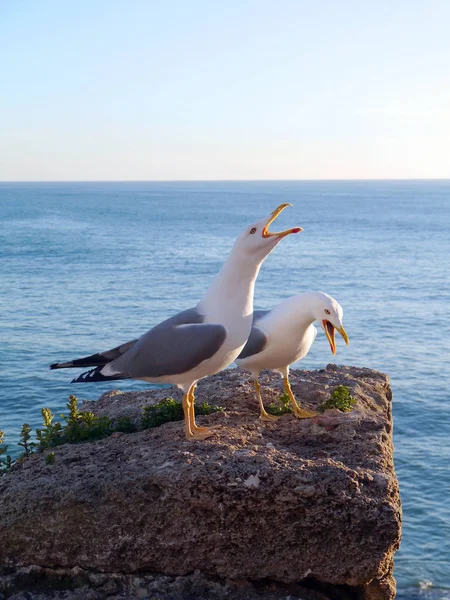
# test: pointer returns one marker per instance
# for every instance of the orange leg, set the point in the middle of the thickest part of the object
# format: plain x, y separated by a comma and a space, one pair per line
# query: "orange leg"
194, 432
263, 414
300, 413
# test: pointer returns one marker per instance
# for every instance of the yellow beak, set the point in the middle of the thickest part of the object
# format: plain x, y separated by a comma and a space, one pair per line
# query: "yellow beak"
344, 335
329, 331
266, 233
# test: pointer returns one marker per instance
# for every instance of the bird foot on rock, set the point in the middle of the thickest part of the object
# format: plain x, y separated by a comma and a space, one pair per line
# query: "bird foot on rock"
268, 418
302, 413
201, 433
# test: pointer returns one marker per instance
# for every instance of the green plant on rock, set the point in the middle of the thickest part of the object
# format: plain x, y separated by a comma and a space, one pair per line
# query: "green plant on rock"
51, 434
282, 407
207, 409
162, 412
50, 458
340, 398
170, 410
5, 459
25, 436
82, 426
87, 427
72, 405
124, 424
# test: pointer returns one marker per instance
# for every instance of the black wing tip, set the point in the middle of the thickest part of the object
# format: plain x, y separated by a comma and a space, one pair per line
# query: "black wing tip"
82, 379
92, 375
95, 375
65, 365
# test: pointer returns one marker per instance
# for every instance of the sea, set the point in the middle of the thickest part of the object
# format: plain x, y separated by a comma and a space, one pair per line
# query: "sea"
86, 266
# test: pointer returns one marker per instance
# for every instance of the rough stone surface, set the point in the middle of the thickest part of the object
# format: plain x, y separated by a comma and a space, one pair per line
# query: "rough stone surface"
79, 584
313, 501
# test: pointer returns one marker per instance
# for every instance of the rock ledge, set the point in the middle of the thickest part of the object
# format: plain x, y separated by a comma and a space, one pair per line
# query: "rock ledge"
301, 509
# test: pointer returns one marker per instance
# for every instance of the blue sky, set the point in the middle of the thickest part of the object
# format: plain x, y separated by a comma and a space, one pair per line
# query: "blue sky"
242, 89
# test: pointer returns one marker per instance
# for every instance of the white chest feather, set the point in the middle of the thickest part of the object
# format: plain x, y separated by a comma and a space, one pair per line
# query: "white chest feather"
287, 346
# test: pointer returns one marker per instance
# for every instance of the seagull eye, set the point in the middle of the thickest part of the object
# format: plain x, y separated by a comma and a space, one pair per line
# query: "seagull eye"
253, 230
327, 311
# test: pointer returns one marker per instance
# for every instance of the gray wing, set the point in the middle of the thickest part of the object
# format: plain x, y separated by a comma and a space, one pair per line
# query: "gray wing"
175, 346
257, 339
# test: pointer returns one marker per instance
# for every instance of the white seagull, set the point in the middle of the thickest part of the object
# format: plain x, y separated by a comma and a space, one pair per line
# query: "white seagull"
199, 341
284, 335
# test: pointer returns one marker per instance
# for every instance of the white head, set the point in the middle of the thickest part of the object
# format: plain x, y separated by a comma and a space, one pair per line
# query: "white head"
256, 241
329, 313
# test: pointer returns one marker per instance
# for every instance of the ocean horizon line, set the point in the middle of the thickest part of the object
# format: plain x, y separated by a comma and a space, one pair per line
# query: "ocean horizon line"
306, 180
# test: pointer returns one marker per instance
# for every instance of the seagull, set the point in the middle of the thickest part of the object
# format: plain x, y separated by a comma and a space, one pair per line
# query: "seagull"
284, 335
199, 341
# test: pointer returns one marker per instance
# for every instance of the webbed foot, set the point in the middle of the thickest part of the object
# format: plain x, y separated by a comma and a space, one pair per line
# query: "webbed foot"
267, 418
203, 434
209, 428
303, 413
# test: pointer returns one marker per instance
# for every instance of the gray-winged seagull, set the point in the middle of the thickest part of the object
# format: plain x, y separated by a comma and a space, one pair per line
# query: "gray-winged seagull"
199, 341
284, 335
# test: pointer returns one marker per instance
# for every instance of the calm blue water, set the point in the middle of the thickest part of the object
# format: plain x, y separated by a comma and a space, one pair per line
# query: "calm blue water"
86, 266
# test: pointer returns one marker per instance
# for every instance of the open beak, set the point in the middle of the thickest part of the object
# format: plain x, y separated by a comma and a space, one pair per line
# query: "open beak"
329, 331
281, 234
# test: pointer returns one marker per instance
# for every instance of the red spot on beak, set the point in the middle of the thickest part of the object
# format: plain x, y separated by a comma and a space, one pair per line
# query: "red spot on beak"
297, 230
